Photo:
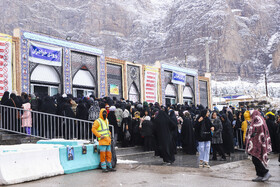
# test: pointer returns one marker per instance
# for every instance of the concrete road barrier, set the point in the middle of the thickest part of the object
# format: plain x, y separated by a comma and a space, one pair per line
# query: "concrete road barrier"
64, 142
80, 162
26, 162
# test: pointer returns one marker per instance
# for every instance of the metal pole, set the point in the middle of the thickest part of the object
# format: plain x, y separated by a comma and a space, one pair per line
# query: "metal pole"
54, 127
266, 90
207, 56
51, 123
186, 62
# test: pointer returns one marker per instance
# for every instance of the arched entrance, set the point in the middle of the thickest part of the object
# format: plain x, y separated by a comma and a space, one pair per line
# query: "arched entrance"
83, 84
188, 95
133, 94
44, 80
170, 94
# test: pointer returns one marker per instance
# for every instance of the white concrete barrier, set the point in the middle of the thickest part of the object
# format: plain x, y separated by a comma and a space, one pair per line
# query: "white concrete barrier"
26, 162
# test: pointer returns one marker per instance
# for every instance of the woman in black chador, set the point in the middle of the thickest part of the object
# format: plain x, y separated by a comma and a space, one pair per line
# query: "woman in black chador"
47, 106
162, 128
227, 135
189, 144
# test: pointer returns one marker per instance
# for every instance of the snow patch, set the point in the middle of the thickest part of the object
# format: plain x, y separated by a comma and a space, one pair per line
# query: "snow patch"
240, 87
274, 39
127, 161
191, 58
236, 10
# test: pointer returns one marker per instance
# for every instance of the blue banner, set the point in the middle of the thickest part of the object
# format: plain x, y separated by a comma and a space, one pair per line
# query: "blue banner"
178, 78
45, 54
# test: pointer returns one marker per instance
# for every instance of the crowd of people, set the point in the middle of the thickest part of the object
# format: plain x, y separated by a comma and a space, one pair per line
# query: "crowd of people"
163, 129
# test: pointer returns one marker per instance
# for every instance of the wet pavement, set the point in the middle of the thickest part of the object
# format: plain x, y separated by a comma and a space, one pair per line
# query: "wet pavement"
184, 160
237, 173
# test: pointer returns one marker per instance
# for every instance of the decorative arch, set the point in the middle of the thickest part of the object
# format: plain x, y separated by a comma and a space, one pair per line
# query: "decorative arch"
44, 73
188, 92
133, 94
83, 77
171, 90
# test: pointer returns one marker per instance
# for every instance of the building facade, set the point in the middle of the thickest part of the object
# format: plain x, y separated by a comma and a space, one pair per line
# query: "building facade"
50, 65
115, 78
46, 65
179, 85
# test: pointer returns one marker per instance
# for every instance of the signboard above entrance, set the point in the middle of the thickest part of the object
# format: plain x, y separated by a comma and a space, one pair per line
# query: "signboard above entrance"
44, 54
178, 78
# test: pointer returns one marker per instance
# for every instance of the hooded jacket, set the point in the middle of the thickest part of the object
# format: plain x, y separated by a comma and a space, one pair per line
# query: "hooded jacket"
217, 137
244, 124
26, 117
95, 126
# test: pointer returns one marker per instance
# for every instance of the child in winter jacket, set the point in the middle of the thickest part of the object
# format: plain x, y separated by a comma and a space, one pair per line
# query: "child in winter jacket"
26, 117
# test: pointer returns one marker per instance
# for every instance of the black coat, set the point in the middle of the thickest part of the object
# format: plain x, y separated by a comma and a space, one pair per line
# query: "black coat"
174, 131
227, 135
188, 138
217, 137
277, 139
164, 144
202, 135
113, 121
67, 110
147, 128
272, 128
48, 106
5, 99
82, 111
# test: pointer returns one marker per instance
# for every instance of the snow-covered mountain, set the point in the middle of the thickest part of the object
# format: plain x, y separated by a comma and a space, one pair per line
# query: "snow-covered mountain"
243, 35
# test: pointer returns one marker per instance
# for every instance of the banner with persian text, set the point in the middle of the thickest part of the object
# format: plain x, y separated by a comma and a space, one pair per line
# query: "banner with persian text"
5, 63
44, 54
151, 84
178, 78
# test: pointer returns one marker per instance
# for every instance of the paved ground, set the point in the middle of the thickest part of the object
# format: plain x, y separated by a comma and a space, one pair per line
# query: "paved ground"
183, 160
237, 173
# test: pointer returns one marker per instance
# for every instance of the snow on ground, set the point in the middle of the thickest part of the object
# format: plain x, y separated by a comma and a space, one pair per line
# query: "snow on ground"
275, 38
127, 161
239, 87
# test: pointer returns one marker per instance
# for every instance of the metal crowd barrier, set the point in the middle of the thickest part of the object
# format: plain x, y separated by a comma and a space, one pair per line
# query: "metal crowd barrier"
47, 126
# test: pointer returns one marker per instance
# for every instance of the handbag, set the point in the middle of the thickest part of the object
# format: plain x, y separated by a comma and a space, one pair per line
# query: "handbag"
127, 136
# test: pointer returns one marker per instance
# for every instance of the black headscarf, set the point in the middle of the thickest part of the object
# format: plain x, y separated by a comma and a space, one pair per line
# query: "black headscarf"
5, 98
15, 100
48, 106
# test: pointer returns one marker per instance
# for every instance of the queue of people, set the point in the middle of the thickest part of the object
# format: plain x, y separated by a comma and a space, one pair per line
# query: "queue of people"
165, 129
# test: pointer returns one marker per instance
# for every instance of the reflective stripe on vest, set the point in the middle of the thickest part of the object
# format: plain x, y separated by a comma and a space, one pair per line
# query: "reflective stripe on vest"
103, 128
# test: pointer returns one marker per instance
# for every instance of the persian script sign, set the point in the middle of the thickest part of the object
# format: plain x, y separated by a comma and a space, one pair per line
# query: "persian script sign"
45, 54
178, 78
5, 63
151, 81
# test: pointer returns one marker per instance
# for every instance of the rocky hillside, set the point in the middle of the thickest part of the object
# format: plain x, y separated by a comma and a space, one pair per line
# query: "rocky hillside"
243, 35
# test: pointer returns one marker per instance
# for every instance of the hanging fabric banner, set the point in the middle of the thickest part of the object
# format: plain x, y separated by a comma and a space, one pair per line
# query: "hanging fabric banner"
5, 63
151, 81
44, 54
178, 78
